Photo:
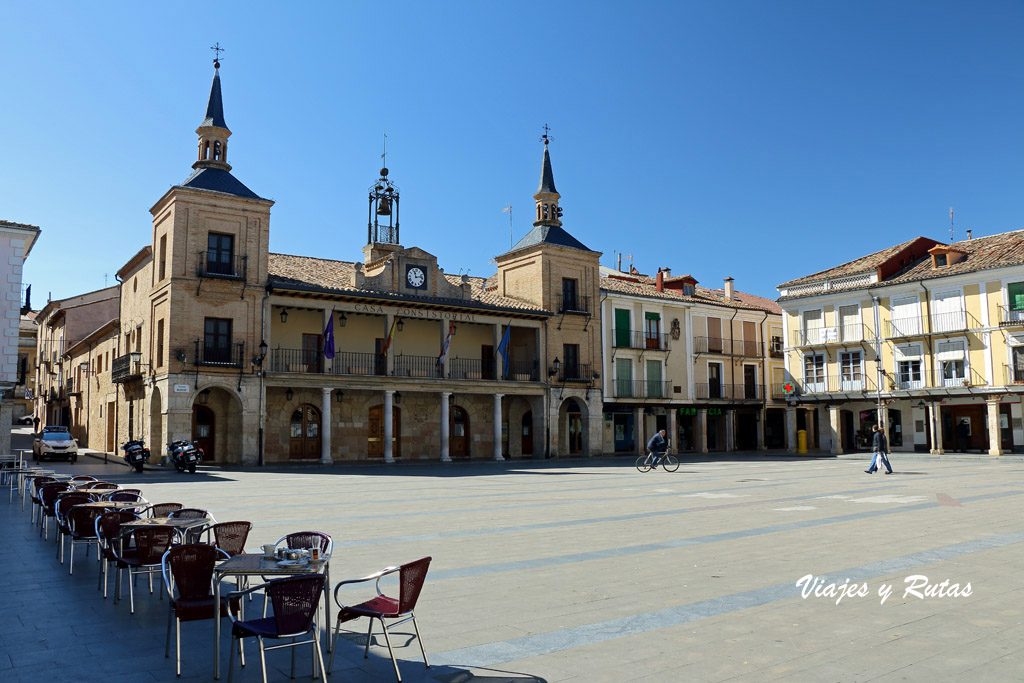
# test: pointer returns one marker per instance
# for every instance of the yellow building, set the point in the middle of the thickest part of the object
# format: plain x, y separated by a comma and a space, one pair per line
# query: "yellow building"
705, 365
924, 337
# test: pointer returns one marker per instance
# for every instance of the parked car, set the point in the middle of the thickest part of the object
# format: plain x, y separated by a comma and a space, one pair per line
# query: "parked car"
24, 419
54, 442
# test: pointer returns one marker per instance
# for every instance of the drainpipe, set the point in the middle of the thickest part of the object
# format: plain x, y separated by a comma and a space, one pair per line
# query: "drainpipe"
875, 301
117, 346
547, 396
263, 372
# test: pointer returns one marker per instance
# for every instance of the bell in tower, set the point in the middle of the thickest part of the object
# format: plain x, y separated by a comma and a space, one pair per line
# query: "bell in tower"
382, 226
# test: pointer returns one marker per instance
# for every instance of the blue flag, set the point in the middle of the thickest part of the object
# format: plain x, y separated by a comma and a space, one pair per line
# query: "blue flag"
503, 347
329, 337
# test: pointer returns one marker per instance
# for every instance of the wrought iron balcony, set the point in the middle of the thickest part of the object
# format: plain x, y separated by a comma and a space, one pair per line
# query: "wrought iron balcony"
1013, 374
851, 384
122, 369
938, 323
579, 372
470, 368
853, 333
416, 366
579, 305
727, 347
641, 388
1009, 317
230, 356
523, 371
296, 360
637, 339
712, 391
219, 264
357, 363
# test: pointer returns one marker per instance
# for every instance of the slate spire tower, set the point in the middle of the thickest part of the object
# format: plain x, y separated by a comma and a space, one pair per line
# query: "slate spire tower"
548, 211
213, 131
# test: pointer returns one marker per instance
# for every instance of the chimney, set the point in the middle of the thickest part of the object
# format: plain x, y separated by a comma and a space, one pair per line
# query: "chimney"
968, 234
661, 281
728, 288
619, 266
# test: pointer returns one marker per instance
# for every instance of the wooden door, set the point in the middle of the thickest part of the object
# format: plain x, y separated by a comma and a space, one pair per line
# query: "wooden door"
575, 433
203, 423
527, 431
458, 431
375, 432
304, 434
749, 381
111, 428
487, 362
311, 352
622, 335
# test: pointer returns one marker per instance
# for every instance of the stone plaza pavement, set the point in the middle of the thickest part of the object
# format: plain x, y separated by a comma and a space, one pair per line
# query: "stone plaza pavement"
588, 570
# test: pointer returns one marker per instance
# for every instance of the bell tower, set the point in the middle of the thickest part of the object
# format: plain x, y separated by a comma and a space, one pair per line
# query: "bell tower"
548, 211
213, 131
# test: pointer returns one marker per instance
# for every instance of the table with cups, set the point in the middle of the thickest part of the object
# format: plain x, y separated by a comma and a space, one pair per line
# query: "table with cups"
274, 562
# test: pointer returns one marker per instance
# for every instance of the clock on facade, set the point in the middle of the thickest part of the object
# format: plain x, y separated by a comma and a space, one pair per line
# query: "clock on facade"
415, 277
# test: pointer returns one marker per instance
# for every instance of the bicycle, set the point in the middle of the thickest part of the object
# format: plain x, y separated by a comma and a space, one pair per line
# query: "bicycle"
647, 462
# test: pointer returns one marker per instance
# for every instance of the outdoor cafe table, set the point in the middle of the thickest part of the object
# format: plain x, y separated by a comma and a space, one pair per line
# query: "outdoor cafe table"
21, 472
97, 492
111, 504
258, 565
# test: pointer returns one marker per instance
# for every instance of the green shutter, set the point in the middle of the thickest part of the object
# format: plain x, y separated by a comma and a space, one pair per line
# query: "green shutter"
654, 379
621, 328
1016, 292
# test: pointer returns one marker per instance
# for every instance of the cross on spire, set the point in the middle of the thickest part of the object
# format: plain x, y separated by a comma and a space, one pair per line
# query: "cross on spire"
546, 138
217, 49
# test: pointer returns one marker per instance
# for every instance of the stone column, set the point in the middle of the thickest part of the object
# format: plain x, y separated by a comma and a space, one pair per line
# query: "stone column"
388, 426
995, 442
837, 430
497, 427
639, 444
791, 428
935, 425
702, 423
761, 413
1016, 425
325, 426
673, 429
730, 430
445, 420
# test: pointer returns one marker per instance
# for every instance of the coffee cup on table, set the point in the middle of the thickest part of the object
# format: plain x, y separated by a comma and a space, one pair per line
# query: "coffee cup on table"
268, 549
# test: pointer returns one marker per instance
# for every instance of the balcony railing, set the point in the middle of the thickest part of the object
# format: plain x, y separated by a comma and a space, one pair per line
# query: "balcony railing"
580, 372
122, 369
358, 363
938, 323
296, 360
228, 357
728, 392
640, 388
470, 368
852, 333
220, 264
577, 304
637, 339
728, 347
1009, 317
837, 385
1013, 374
416, 366
523, 371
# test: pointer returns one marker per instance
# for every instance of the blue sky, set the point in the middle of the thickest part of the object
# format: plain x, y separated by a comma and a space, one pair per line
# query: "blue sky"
758, 140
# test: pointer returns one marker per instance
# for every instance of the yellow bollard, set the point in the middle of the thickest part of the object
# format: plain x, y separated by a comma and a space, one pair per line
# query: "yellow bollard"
801, 441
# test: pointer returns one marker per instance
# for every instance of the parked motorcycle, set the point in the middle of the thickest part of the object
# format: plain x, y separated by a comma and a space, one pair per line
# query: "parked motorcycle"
136, 454
185, 455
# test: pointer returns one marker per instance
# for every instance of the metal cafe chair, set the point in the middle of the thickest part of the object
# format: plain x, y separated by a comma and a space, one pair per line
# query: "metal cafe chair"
294, 602
66, 501
410, 578
194, 534
81, 531
48, 494
150, 545
108, 535
188, 574
163, 509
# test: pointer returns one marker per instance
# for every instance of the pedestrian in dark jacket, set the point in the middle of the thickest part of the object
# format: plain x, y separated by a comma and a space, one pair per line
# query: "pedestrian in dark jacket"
963, 433
880, 446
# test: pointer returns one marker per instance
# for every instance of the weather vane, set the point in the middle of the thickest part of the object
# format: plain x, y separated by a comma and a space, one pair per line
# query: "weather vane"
384, 156
217, 49
546, 138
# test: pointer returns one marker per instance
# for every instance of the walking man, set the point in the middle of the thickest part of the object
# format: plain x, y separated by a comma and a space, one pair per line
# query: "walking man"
880, 446
963, 433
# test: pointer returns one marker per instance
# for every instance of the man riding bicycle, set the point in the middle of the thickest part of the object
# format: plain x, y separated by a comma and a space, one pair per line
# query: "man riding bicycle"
657, 446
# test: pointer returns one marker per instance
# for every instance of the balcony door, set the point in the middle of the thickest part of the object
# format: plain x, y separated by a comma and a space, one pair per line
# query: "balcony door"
750, 381
714, 380
621, 328
311, 344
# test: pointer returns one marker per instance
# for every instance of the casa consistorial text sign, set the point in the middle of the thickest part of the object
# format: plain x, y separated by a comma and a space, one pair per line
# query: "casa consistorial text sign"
415, 313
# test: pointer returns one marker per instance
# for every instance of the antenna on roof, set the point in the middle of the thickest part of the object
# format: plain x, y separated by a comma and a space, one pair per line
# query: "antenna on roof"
951, 224
508, 210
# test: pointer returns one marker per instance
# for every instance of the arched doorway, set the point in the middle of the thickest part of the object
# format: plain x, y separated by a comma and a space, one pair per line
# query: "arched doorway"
575, 427
156, 431
304, 434
375, 432
458, 433
527, 433
204, 430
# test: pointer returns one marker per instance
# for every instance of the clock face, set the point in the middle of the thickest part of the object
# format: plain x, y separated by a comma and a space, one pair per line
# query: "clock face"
416, 277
